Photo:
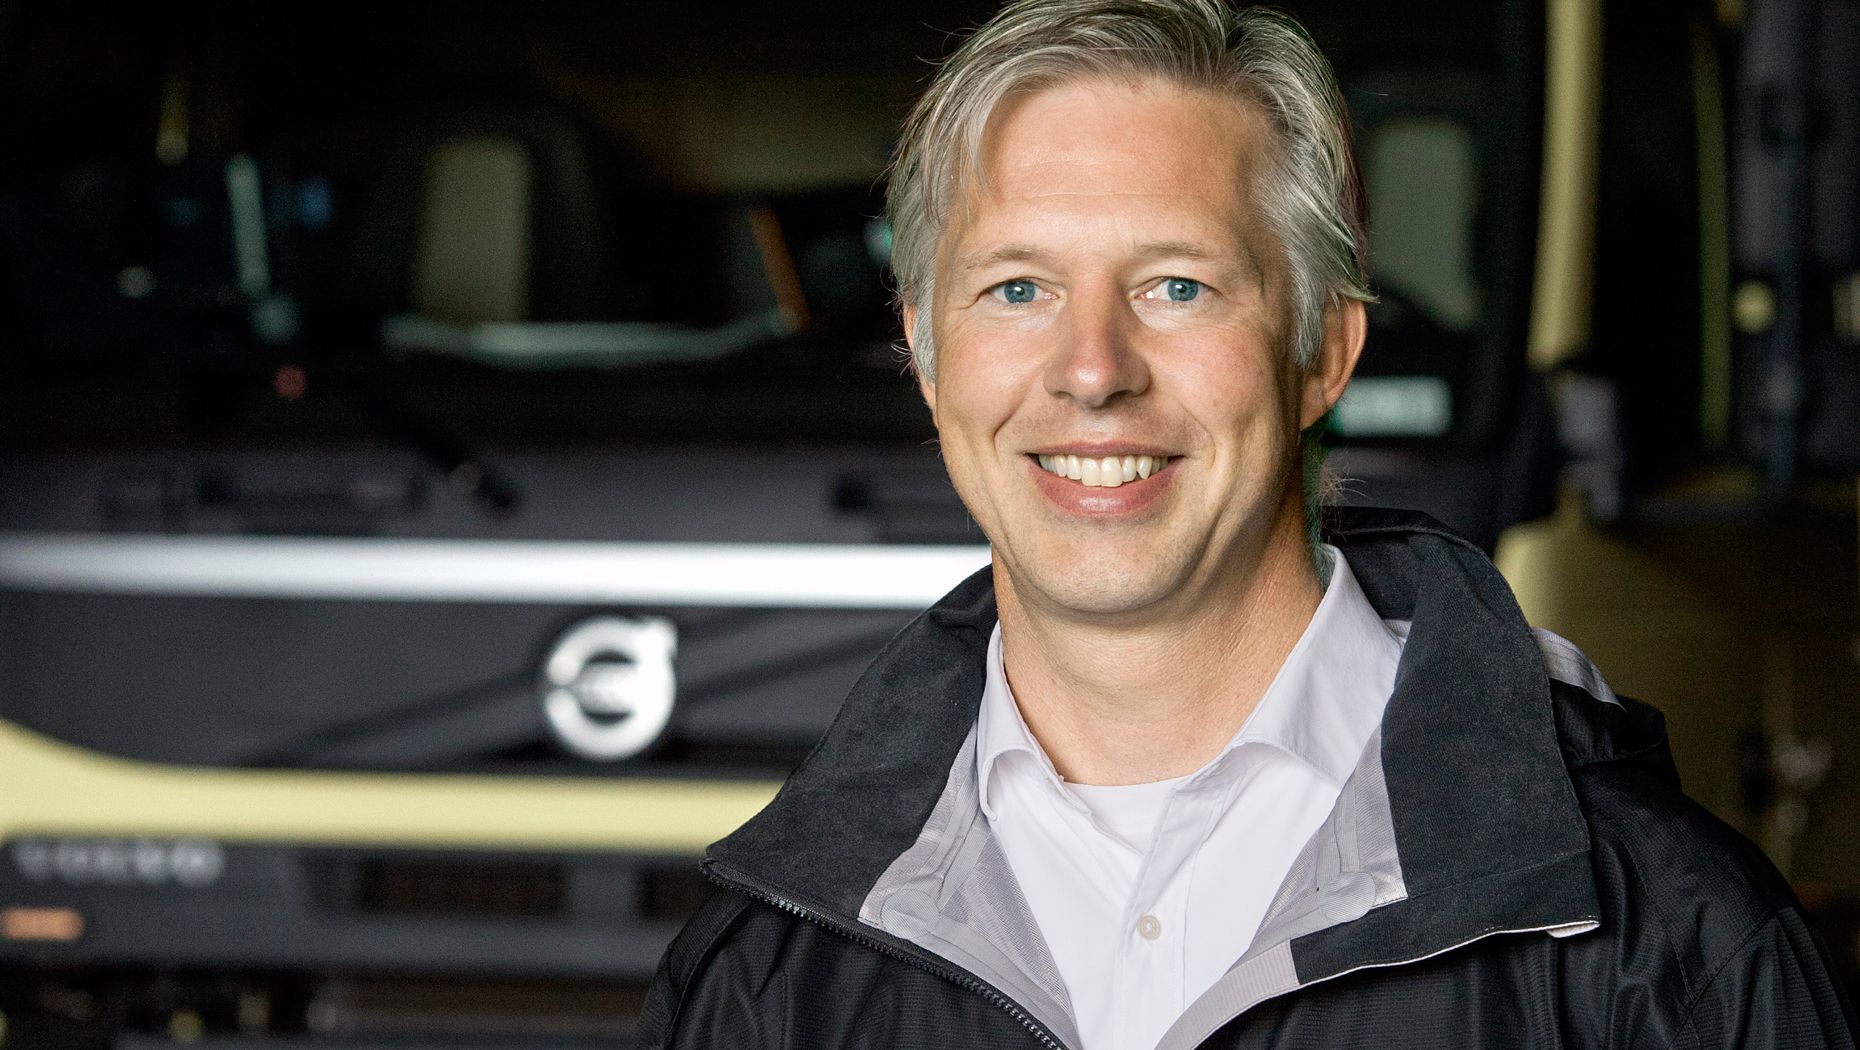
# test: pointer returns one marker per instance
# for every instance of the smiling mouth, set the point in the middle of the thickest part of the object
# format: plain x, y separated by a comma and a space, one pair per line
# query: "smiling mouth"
1102, 471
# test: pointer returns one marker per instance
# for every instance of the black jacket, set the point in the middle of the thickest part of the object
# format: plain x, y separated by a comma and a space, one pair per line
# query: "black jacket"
1511, 865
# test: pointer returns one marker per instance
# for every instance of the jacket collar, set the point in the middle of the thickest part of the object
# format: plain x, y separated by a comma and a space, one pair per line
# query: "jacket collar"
861, 797
1485, 821
1475, 773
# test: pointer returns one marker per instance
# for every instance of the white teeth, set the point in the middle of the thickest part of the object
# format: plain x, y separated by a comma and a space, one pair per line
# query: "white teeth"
1108, 472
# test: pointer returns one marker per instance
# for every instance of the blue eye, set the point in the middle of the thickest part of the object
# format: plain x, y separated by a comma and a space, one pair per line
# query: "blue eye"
1018, 291
1181, 289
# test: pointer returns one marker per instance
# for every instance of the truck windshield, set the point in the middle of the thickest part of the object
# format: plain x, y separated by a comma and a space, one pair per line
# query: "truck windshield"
552, 223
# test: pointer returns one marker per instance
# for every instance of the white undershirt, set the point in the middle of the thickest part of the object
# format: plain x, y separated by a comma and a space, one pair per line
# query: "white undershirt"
1147, 893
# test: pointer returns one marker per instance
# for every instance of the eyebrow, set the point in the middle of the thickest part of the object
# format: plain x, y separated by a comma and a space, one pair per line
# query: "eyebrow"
1174, 250
1004, 254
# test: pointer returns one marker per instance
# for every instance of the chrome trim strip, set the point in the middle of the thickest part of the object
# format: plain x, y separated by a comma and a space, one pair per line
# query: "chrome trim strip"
832, 576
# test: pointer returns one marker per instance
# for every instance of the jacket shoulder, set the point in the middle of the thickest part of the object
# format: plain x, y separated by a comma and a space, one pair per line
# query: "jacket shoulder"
705, 942
1705, 942
1643, 827
1674, 863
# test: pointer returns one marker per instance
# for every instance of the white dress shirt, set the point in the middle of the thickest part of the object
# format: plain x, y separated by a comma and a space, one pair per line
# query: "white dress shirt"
1147, 893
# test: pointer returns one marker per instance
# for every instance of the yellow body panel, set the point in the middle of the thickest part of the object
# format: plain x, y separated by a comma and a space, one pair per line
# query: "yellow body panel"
52, 788
1565, 271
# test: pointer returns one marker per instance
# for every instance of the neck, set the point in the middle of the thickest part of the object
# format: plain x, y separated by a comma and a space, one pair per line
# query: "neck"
1133, 701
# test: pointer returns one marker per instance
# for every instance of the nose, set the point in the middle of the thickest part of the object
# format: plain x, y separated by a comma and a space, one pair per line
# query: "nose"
1096, 359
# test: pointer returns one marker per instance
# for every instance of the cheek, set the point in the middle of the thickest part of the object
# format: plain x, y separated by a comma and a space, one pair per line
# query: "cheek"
1232, 386
981, 378
969, 402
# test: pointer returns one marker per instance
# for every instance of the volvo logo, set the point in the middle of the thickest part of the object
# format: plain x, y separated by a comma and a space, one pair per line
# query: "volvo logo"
607, 686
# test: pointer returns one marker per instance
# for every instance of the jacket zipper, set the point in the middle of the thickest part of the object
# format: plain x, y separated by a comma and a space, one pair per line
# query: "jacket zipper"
742, 885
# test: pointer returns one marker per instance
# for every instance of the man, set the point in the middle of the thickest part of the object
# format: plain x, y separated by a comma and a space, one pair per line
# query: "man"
1169, 774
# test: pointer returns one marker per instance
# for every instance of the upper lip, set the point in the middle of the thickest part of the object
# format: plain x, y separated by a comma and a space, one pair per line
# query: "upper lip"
1100, 449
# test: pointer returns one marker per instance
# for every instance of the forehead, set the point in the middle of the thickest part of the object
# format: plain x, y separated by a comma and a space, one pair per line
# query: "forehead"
1119, 141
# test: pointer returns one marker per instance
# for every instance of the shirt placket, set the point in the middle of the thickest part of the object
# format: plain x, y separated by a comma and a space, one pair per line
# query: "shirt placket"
1149, 963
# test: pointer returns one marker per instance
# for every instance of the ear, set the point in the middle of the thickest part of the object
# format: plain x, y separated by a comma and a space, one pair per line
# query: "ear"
925, 385
1345, 326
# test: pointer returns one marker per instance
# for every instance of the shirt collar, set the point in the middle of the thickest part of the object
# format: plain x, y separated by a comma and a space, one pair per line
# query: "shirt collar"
1321, 707
1327, 699
1000, 730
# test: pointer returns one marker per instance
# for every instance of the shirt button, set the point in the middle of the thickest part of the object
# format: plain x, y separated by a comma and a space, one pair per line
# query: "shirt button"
1149, 927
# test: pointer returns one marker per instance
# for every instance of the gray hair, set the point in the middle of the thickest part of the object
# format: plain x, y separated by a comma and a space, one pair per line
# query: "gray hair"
1309, 193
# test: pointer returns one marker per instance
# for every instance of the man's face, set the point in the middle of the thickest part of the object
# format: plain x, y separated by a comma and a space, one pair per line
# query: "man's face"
1110, 293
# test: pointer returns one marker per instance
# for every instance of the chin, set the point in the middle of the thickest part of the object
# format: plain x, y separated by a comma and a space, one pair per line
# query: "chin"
1095, 590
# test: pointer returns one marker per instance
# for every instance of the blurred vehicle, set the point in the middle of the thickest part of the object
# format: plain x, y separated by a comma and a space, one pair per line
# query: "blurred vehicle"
423, 526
